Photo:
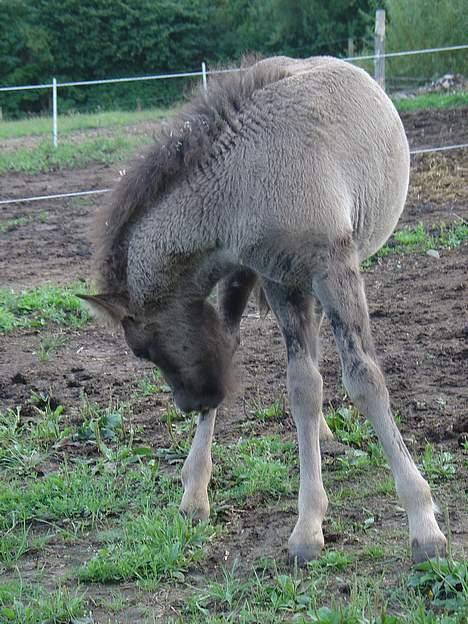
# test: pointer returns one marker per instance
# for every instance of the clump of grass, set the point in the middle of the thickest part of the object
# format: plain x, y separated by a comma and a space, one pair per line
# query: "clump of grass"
12, 224
275, 411
42, 305
24, 604
49, 344
157, 545
25, 444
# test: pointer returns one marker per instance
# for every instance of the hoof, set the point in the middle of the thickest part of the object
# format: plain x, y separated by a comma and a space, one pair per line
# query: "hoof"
195, 515
301, 554
430, 550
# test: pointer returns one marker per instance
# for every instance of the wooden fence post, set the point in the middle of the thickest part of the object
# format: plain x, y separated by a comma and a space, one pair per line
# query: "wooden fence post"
379, 48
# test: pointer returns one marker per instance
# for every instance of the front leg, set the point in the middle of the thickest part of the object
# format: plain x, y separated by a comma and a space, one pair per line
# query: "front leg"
297, 319
196, 471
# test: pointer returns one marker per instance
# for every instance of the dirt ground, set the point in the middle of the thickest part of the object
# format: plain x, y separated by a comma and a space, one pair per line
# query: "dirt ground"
417, 305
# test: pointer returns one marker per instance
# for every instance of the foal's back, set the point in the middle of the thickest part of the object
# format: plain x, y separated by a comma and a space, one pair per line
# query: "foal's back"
329, 154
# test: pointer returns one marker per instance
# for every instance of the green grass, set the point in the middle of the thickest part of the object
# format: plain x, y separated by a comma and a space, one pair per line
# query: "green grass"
44, 157
257, 468
69, 123
418, 239
40, 306
157, 544
269, 595
26, 604
431, 100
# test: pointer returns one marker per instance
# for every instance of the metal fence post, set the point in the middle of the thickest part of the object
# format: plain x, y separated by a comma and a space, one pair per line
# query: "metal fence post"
54, 111
379, 44
203, 68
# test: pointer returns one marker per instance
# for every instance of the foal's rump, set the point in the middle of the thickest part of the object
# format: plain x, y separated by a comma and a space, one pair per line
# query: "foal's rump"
334, 152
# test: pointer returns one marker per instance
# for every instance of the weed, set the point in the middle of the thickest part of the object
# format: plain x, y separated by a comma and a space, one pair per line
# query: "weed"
275, 411
349, 427
331, 559
12, 224
49, 344
443, 581
151, 384
439, 465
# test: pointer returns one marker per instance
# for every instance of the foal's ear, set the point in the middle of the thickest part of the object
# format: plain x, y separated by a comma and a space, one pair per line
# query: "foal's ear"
109, 308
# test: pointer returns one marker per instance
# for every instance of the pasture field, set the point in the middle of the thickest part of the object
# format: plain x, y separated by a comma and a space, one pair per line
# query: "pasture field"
91, 446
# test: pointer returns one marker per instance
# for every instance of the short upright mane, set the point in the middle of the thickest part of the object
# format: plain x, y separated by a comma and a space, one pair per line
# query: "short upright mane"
181, 143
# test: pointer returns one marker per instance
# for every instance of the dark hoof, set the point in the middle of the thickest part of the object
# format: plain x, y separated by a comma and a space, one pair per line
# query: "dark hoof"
431, 550
301, 554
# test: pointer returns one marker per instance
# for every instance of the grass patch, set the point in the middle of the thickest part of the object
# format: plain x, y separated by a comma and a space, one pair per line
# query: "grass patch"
155, 545
419, 240
23, 604
260, 467
69, 123
45, 157
42, 305
431, 100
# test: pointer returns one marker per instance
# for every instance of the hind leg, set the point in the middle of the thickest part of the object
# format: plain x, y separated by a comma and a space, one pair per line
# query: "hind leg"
296, 317
341, 292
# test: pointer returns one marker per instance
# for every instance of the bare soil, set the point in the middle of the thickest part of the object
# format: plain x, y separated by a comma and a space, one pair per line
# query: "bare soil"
417, 305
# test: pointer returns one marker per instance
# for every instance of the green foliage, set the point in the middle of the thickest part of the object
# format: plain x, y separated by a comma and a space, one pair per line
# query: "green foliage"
69, 154
258, 467
419, 239
91, 39
349, 427
421, 24
443, 581
439, 465
41, 305
432, 100
156, 545
23, 604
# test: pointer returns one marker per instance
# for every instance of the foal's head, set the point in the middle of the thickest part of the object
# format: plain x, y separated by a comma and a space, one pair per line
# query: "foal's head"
185, 340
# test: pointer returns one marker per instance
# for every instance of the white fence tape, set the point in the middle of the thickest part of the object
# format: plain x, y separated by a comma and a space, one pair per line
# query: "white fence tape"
3, 202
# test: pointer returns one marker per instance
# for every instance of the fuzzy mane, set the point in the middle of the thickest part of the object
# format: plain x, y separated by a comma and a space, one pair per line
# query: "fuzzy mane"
184, 141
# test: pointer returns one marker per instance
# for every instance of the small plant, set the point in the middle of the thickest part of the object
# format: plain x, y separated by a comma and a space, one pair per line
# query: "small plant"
438, 465
151, 384
275, 411
443, 581
49, 344
349, 427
